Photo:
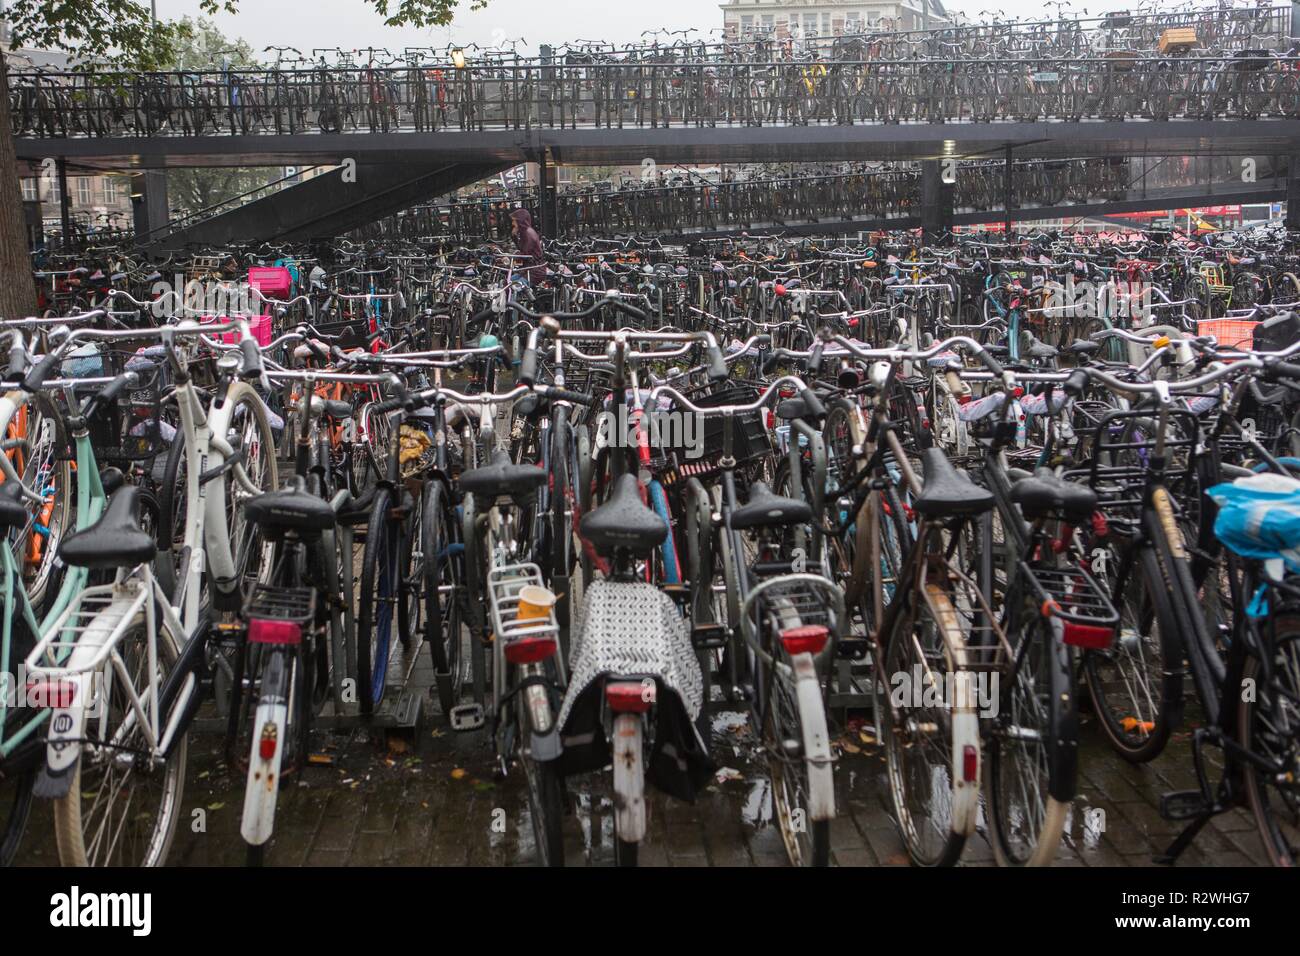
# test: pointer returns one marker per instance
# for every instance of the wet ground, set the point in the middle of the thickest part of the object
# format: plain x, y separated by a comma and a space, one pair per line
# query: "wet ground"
433, 798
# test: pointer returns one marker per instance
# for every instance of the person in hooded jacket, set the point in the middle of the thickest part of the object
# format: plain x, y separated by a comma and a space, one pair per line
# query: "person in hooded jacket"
530, 244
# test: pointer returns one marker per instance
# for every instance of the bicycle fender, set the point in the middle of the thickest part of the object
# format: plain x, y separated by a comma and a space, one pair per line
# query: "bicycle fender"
816, 739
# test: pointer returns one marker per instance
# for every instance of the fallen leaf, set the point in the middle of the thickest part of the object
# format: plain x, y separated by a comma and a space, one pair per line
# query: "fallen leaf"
458, 774
396, 745
728, 773
215, 806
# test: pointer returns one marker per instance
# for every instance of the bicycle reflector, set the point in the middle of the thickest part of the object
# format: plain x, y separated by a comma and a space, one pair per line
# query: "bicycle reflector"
271, 631
629, 697
808, 639
529, 650
1089, 636
970, 763
55, 694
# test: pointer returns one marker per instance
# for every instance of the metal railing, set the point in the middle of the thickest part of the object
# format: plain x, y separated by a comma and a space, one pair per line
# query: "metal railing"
261, 102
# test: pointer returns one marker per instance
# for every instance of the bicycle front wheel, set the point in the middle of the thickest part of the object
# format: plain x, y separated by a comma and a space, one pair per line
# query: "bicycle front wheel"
380, 586
1266, 725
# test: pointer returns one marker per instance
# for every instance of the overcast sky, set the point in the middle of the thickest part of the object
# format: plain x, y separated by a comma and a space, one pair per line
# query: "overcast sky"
354, 24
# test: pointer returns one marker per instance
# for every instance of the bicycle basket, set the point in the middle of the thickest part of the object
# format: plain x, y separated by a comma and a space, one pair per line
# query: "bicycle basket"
130, 428
1231, 333
750, 440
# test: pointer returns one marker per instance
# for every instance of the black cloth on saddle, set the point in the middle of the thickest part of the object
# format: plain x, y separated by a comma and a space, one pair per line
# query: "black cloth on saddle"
679, 765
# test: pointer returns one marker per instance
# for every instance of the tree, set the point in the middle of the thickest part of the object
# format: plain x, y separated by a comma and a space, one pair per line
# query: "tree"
201, 46
124, 33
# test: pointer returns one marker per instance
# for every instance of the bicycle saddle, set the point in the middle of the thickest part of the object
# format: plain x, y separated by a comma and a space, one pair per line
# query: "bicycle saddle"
623, 521
1083, 347
1041, 350
116, 540
502, 478
292, 508
766, 510
1044, 495
791, 409
13, 514
948, 492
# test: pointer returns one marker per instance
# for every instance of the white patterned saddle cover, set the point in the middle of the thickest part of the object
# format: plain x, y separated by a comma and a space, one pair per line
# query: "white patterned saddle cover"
632, 629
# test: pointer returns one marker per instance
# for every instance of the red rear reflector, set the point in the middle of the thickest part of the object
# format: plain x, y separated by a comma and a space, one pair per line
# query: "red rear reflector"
529, 650
625, 697
51, 693
970, 763
274, 632
809, 639
1088, 635
266, 746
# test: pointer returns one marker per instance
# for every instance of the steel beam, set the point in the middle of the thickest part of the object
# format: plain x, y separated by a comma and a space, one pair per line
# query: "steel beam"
331, 204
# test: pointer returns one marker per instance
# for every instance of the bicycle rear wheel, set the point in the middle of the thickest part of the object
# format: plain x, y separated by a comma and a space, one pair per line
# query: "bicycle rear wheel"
120, 812
932, 752
1032, 747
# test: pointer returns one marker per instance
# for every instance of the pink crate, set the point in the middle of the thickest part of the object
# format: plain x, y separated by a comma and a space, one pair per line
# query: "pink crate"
273, 281
259, 325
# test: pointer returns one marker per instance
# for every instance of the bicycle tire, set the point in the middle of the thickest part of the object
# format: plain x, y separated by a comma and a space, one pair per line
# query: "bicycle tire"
374, 619
1148, 743
72, 822
1278, 827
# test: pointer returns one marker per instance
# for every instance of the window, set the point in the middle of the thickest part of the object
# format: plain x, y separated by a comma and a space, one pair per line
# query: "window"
768, 22
746, 24
29, 190
809, 24
113, 190
85, 190
854, 22
51, 189
826, 24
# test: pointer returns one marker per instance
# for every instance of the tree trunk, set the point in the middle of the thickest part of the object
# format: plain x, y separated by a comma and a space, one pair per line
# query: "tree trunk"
17, 288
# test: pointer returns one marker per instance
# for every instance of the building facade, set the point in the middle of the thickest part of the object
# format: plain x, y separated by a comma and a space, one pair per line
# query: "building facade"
808, 18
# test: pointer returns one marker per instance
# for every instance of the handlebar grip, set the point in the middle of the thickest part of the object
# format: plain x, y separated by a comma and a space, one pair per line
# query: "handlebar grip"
564, 395
815, 359
315, 350
528, 367
990, 362
116, 387
389, 405
252, 359
811, 402
40, 373
1076, 382
718, 371
17, 363
1286, 370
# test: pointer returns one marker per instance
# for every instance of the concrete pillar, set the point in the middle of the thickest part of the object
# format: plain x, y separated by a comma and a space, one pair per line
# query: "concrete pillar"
936, 202
65, 203
1293, 193
149, 204
549, 226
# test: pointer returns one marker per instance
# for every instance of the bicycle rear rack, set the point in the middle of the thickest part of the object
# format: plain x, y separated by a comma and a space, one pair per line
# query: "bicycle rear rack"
281, 604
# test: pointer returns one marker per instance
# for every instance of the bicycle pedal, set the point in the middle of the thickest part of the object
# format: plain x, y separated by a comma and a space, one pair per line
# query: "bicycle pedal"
853, 648
708, 637
1184, 805
467, 717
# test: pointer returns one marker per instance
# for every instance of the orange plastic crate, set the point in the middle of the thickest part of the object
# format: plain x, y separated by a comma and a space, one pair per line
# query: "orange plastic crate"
1231, 333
